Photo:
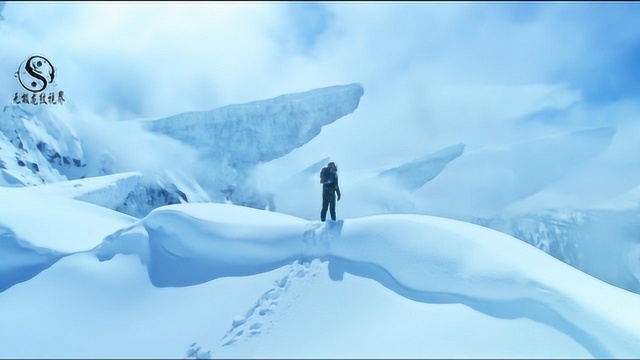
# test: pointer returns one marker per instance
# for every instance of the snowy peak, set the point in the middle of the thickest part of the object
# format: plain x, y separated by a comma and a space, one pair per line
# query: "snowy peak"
37, 148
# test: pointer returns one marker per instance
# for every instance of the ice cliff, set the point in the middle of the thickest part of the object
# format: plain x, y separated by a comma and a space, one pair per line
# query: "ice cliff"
234, 139
263, 130
40, 149
37, 148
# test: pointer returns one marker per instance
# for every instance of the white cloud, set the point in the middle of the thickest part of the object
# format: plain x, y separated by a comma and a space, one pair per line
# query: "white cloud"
434, 74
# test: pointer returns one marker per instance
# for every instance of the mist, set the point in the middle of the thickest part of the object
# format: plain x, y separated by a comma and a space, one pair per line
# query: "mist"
484, 75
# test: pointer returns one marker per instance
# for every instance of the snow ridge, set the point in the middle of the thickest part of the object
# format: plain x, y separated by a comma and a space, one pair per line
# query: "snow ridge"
28, 247
603, 244
202, 242
20, 260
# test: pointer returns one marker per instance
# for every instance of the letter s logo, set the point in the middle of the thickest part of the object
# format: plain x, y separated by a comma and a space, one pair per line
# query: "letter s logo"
36, 73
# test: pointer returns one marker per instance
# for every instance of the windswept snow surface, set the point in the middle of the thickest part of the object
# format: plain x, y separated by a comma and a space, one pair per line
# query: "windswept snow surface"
219, 280
37, 229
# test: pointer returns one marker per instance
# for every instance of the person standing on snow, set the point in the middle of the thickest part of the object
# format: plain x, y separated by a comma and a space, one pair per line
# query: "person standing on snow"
329, 181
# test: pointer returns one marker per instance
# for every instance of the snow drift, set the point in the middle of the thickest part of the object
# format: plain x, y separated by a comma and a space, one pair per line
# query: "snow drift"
33, 236
423, 258
83, 257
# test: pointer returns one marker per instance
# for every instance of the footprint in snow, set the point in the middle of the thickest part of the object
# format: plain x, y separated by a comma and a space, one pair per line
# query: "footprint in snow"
318, 234
261, 314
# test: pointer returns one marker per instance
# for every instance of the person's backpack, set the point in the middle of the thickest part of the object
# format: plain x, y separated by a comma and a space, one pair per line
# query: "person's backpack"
326, 176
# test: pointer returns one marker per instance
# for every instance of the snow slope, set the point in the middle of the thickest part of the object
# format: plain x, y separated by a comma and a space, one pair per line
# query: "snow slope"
485, 182
415, 174
602, 243
369, 192
219, 280
39, 229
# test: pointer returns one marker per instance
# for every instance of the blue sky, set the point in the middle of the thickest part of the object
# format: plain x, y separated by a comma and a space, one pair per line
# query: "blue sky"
436, 73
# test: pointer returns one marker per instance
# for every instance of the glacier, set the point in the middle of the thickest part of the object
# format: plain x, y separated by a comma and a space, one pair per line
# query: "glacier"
492, 187
131, 193
39, 148
187, 229
234, 139
262, 130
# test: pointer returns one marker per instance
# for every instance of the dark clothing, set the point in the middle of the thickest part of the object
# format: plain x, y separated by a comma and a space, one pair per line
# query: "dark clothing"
328, 202
329, 191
